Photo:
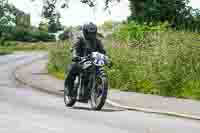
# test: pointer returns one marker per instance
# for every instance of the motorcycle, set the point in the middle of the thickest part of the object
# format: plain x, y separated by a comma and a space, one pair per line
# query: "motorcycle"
91, 85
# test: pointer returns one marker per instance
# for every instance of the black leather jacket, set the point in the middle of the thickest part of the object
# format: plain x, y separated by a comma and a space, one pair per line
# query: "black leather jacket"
82, 47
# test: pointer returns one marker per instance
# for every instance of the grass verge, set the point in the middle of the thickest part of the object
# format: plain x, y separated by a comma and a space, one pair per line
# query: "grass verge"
166, 64
9, 47
5, 52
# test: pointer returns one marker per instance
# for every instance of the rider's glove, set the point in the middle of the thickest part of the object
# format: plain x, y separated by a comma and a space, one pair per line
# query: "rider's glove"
76, 59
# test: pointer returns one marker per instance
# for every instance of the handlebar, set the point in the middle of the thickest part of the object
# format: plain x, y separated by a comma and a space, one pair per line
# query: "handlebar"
86, 58
78, 58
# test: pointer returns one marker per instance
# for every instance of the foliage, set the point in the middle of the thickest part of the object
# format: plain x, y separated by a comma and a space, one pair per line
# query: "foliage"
54, 24
5, 52
23, 20
50, 6
42, 36
10, 46
22, 34
176, 12
107, 25
8, 13
65, 35
167, 67
43, 26
134, 33
5, 17
9, 17
59, 58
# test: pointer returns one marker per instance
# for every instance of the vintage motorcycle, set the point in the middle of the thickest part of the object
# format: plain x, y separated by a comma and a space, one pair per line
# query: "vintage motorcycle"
91, 85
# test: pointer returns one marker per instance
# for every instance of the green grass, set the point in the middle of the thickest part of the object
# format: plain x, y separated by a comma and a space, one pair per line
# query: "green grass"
9, 47
165, 64
5, 52
169, 66
59, 58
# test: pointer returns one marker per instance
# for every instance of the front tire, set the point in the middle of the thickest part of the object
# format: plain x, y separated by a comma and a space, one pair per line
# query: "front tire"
99, 92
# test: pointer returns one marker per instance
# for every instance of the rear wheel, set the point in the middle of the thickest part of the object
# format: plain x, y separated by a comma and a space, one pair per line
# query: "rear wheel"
69, 100
99, 92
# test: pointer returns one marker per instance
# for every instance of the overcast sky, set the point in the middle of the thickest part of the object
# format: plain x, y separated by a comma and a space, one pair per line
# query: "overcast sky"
78, 13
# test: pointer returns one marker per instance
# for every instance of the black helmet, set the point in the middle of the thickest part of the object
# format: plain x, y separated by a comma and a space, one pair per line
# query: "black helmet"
90, 30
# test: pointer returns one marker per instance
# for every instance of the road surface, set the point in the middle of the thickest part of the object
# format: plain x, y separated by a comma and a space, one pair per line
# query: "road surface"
25, 110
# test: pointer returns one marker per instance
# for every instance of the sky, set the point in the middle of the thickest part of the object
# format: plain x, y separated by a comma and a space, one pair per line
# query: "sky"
79, 13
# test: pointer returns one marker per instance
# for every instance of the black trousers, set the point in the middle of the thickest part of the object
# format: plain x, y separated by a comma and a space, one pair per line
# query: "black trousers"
73, 70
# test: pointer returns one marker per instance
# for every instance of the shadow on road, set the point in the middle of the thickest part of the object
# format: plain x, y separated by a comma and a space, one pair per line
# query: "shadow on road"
103, 110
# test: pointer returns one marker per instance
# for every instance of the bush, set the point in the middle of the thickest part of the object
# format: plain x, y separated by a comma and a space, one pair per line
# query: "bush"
10, 33
29, 36
65, 35
133, 33
167, 67
59, 58
5, 51
42, 36
2, 41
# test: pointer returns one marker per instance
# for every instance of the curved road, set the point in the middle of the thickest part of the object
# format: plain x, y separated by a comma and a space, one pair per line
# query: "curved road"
25, 110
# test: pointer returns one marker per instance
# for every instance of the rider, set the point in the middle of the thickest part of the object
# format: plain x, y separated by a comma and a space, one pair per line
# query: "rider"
83, 45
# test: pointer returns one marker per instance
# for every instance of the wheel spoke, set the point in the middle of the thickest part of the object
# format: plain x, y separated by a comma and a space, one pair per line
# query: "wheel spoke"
98, 93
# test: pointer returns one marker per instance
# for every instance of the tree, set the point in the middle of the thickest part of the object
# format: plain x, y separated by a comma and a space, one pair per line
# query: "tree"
43, 26
49, 6
8, 17
54, 24
9, 13
159, 10
107, 25
58, 23
176, 12
5, 16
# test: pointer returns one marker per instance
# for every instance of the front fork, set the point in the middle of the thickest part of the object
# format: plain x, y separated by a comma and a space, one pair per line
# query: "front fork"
100, 72
79, 86
85, 89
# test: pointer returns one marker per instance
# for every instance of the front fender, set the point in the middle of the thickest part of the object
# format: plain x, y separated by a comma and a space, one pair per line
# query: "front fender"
101, 72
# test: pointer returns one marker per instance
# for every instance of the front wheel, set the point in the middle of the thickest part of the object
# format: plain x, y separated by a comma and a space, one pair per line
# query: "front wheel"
69, 100
99, 92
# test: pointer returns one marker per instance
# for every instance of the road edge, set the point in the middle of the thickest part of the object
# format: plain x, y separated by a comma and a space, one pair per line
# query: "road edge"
153, 111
